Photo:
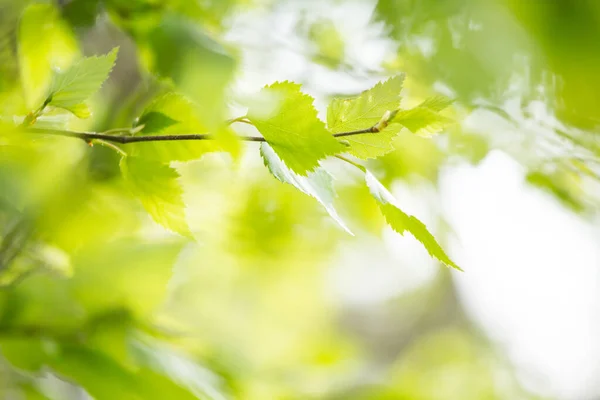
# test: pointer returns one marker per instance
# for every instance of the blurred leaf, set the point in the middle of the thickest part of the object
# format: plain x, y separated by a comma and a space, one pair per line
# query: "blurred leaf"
158, 375
318, 184
412, 156
565, 185
364, 111
84, 366
182, 371
24, 353
437, 103
45, 43
72, 87
42, 302
402, 222
329, 43
179, 49
155, 121
133, 275
425, 119
156, 186
9, 72
288, 121
456, 353
81, 13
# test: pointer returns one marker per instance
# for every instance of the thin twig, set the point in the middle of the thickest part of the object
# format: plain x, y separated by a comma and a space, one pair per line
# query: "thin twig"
358, 132
89, 136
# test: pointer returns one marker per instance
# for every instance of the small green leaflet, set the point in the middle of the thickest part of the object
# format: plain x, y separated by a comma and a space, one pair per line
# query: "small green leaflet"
71, 88
364, 111
156, 186
318, 184
425, 120
155, 121
402, 222
292, 128
172, 113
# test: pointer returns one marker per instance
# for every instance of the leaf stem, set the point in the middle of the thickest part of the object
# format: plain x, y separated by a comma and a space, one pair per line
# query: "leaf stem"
357, 165
109, 145
244, 119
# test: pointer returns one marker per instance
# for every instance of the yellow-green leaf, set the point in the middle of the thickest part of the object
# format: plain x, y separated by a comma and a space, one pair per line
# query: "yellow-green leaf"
364, 111
425, 119
422, 121
72, 87
156, 186
288, 120
402, 222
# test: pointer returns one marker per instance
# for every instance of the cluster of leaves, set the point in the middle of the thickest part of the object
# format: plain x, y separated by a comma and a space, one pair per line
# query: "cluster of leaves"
296, 140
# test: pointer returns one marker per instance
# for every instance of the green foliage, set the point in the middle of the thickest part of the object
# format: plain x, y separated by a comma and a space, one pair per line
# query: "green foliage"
288, 121
91, 291
72, 87
156, 186
364, 111
402, 222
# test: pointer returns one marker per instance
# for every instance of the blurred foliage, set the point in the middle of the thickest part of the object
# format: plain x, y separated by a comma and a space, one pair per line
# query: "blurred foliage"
98, 299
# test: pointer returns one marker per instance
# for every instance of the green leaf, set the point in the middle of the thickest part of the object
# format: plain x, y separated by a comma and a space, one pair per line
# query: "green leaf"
46, 43
318, 184
329, 43
187, 374
85, 365
72, 87
156, 186
288, 120
402, 222
425, 119
155, 121
172, 113
364, 111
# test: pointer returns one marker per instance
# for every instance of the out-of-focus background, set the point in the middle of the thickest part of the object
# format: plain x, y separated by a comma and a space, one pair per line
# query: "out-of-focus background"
272, 300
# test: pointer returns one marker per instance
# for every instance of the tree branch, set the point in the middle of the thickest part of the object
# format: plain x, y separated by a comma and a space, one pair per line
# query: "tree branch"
89, 136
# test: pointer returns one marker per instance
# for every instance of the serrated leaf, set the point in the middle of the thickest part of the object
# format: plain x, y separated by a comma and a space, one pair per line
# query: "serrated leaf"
288, 120
75, 85
364, 111
156, 186
402, 222
317, 184
172, 113
46, 42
